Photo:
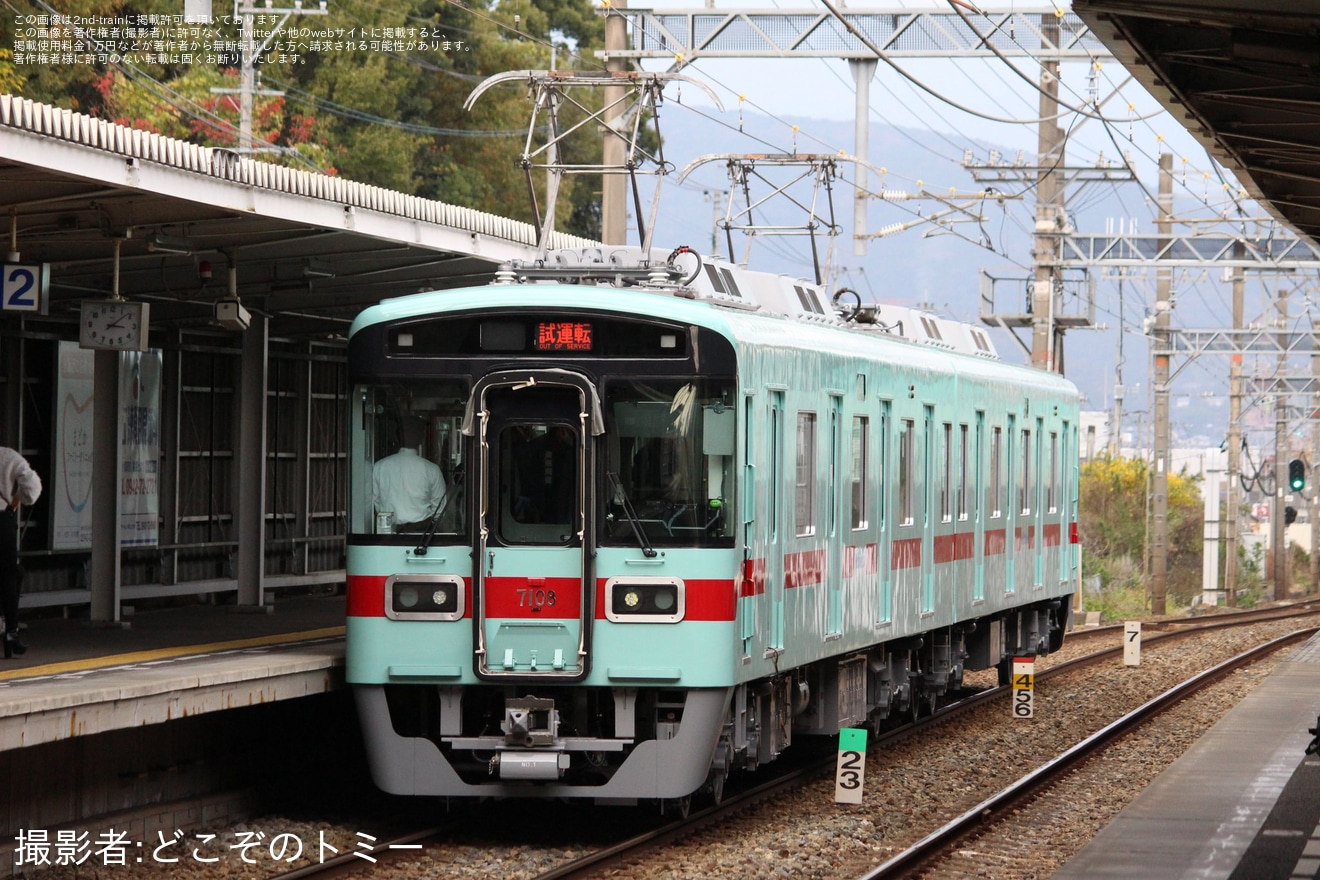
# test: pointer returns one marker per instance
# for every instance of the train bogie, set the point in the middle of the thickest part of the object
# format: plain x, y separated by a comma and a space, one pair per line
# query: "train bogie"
677, 531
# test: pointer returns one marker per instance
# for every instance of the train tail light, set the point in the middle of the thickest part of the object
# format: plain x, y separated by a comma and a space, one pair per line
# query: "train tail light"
1074, 537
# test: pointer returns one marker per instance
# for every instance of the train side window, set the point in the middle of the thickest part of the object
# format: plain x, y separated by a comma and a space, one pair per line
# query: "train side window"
1024, 474
1051, 485
860, 472
962, 472
946, 483
906, 438
978, 469
804, 502
882, 469
836, 464
996, 471
776, 462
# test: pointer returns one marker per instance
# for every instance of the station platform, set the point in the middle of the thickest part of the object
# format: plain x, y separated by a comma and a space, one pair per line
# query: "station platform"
80, 678
1242, 804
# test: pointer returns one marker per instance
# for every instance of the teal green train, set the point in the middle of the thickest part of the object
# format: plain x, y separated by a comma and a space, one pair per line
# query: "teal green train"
620, 526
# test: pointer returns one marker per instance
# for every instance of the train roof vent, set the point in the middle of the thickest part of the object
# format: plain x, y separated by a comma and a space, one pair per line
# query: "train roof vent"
731, 284
717, 281
977, 342
932, 331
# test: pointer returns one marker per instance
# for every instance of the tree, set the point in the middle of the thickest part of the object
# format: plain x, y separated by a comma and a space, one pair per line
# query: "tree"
1113, 494
388, 112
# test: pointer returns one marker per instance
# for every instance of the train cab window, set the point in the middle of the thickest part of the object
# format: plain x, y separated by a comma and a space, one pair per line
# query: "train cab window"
996, 471
421, 422
669, 459
539, 486
906, 446
860, 471
804, 498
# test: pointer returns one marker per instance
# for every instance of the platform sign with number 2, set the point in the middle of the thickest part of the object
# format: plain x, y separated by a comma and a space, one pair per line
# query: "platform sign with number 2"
24, 288
851, 772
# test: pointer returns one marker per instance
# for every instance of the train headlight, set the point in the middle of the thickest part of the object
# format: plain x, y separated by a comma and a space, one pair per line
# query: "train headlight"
645, 600
424, 597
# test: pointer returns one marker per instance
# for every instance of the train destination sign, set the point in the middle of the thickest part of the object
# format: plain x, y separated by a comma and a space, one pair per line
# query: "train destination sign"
563, 336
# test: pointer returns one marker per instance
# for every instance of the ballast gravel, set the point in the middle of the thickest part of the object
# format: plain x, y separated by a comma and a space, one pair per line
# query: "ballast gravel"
910, 790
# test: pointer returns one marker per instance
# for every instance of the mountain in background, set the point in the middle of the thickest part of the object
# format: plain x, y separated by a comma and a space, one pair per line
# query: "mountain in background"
929, 265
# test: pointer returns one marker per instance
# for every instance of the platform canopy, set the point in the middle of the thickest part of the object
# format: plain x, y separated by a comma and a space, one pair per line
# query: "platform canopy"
1242, 75
310, 250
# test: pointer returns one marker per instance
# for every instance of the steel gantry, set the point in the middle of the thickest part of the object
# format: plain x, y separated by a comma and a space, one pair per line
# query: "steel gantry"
1272, 252
862, 37
686, 35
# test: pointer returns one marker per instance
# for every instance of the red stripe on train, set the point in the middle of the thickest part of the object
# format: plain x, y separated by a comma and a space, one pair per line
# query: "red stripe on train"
550, 598
906, 554
366, 595
753, 578
951, 548
803, 569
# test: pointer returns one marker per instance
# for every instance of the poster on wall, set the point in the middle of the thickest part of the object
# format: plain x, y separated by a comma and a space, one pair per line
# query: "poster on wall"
139, 449
71, 494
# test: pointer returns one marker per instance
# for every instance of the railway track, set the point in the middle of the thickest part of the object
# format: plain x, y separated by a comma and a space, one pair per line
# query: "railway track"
927, 851
634, 847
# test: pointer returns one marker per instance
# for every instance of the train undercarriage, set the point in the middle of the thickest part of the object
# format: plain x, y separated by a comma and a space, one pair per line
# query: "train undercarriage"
625, 744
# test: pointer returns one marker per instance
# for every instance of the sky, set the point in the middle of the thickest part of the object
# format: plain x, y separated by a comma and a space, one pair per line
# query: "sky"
810, 93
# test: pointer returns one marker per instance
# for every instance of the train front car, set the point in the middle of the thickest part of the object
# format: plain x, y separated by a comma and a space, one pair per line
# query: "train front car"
558, 620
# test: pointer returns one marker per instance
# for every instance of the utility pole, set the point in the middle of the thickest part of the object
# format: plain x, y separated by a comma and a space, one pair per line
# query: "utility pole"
249, 51
1159, 556
1313, 505
1234, 500
1049, 215
614, 187
1278, 529
1116, 430
863, 71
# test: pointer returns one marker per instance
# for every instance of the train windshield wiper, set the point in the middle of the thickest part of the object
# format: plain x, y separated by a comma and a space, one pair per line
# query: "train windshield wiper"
435, 520
647, 550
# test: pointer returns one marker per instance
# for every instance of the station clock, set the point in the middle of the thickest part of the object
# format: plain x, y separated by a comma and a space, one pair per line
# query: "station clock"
113, 325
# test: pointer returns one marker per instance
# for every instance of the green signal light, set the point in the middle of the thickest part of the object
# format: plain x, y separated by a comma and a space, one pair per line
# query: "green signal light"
1297, 475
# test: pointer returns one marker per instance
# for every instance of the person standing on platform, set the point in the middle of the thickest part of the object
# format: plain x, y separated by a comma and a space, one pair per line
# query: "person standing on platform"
408, 485
19, 484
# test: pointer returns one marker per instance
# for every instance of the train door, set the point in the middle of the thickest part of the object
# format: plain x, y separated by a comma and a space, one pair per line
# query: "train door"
927, 489
834, 562
1035, 493
978, 506
532, 583
1011, 539
748, 609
